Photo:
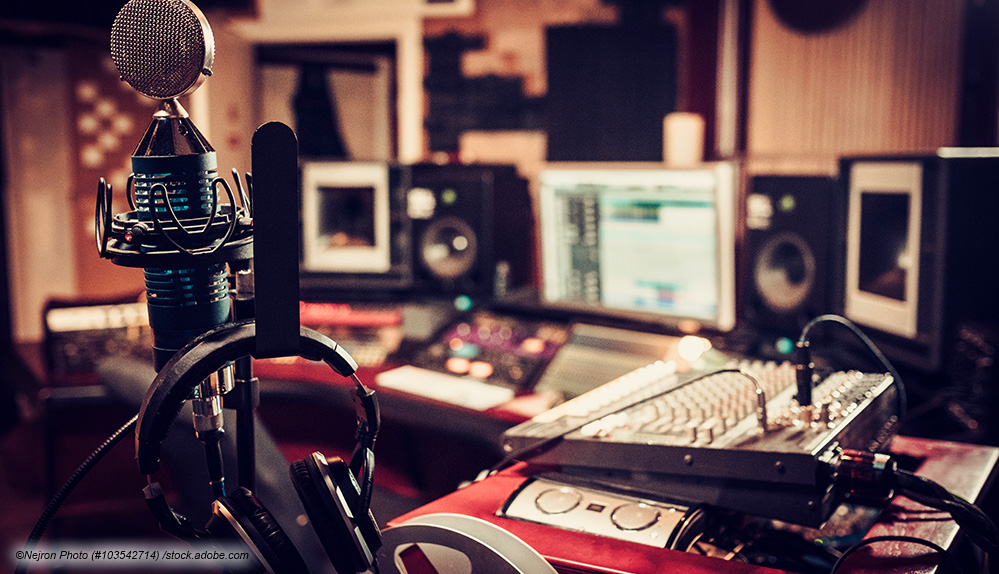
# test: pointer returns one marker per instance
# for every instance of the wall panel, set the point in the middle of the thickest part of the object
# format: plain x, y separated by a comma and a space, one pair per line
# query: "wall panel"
888, 80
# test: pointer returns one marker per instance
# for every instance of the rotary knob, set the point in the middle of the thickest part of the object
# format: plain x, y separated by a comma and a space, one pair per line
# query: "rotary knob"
558, 500
634, 516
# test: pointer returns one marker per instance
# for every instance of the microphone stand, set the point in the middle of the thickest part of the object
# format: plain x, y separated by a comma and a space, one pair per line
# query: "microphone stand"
245, 395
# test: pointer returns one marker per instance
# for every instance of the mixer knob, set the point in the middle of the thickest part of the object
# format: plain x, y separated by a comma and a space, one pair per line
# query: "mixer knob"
558, 500
634, 516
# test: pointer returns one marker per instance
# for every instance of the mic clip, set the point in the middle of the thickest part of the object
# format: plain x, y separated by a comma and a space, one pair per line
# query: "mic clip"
164, 242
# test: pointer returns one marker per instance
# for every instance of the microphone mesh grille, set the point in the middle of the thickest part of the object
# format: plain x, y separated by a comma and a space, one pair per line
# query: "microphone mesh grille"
161, 47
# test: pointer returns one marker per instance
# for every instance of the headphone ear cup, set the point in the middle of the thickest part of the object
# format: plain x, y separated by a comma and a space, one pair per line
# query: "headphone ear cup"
242, 517
330, 495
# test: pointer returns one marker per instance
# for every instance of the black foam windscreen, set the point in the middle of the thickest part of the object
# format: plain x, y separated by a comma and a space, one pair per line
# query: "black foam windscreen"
274, 153
162, 48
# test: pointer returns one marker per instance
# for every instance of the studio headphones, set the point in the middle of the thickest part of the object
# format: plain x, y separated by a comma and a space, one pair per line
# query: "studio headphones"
335, 495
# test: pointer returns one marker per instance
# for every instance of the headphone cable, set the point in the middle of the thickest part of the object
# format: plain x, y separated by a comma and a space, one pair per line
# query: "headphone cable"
68, 487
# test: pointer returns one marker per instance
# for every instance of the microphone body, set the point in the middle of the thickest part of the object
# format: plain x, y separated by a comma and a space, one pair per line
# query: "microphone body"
178, 231
175, 165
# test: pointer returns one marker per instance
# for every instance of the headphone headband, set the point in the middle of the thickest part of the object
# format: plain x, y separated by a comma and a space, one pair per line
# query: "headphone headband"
201, 357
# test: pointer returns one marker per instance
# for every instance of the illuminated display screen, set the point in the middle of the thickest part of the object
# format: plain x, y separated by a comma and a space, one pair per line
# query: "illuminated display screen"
653, 241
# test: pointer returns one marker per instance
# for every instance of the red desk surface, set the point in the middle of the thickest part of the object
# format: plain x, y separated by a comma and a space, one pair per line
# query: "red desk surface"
300, 370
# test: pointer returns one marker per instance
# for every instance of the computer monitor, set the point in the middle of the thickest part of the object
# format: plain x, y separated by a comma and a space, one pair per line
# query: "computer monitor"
883, 247
355, 235
641, 241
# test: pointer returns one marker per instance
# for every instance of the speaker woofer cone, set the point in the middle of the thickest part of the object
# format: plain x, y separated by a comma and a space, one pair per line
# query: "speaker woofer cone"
448, 248
785, 272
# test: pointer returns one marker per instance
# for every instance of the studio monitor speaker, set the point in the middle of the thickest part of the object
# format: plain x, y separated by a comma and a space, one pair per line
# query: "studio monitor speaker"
790, 252
920, 258
472, 229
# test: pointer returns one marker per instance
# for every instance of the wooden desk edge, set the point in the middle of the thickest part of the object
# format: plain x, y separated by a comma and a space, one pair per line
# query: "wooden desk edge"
967, 470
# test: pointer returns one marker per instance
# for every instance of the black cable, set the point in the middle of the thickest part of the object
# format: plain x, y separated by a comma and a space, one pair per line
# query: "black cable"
973, 521
902, 396
213, 458
364, 459
913, 485
69, 486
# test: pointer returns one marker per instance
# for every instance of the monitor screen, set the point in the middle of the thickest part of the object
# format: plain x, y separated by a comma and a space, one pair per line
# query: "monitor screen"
883, 239
345, 217
641, 241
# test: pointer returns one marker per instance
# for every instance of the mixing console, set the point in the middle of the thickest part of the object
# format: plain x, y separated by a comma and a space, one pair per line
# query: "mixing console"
496, 349
730, 436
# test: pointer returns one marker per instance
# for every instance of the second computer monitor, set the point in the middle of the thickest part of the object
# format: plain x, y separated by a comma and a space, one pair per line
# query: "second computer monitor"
641, 241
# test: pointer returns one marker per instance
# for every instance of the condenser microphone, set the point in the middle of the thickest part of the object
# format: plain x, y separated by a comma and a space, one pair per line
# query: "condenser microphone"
179, 233
173, 170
